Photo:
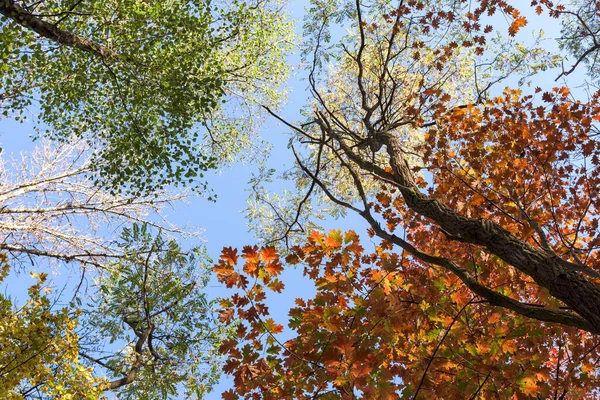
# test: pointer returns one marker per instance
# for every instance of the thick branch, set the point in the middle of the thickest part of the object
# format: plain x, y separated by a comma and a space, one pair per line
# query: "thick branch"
494, 298
133, 371
9, 9
559, 276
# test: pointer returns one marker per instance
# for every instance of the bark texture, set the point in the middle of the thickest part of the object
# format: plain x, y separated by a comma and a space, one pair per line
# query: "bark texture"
562, 278
9, 9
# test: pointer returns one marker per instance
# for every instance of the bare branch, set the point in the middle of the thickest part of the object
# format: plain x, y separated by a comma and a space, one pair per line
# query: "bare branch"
50, 207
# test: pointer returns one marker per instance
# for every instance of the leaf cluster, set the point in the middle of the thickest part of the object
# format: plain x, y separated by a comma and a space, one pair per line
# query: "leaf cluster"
40, 348
146, 81
152, 303
384, 325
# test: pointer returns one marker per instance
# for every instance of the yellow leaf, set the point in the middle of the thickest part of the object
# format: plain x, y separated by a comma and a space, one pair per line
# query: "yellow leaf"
509, 346
529, 386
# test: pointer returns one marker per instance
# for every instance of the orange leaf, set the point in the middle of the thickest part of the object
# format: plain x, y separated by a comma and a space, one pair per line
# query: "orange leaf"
529, 386
272, 327
509, 346
226, 315
344, 345
333, 240
250, 253
516, 25
360, 370
274, 268
384, 199
268, 254
229, 255
276, 286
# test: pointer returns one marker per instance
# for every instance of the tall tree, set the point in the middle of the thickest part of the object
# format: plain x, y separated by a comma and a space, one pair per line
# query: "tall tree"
139, 95
151, 303
580, 32
166, 88
135, 319
53, 213
484, 283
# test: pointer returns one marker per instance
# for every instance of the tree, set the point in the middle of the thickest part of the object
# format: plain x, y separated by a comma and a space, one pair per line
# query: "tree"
39, 349
484, 282
54, 217
166, 88
581, 24
152, 301
149, 306
394, 72
51, 210
136, 96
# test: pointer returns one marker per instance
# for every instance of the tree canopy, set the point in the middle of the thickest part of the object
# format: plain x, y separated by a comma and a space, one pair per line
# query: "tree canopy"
433, 122
482, 202
165, 88
129, 99
124, 314
39, 348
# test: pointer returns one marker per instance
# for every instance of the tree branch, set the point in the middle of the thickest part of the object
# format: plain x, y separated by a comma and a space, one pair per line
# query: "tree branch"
9, 9
494, 298
131, 376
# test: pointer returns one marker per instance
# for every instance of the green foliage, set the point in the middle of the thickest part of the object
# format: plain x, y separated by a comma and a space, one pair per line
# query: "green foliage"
153, 98
402, 73
580, 27
157, 288
149, 331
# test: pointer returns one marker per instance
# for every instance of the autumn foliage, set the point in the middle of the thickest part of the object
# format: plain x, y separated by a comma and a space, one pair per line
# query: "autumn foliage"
382, 325
482, 281
40, 348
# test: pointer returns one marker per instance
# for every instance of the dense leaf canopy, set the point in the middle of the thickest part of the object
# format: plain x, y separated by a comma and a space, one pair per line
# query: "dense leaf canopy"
481, 276
482, 202
147, 81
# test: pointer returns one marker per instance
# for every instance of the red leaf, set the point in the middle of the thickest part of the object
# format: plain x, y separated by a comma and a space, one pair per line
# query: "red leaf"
226, 315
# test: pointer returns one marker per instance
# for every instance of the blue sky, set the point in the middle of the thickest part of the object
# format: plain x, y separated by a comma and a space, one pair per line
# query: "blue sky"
223, 220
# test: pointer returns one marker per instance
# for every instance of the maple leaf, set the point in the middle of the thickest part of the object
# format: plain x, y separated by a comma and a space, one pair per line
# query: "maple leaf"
223, 268
292, 259
276, 286
273, 268
516, 25
509, 346
268, 254
250, 253
355, 248
229, 255
547, 97
344, 345
359, 370
333, 241
227, 315
227, 345
273, 327
315, 236
231, 366
529, 386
